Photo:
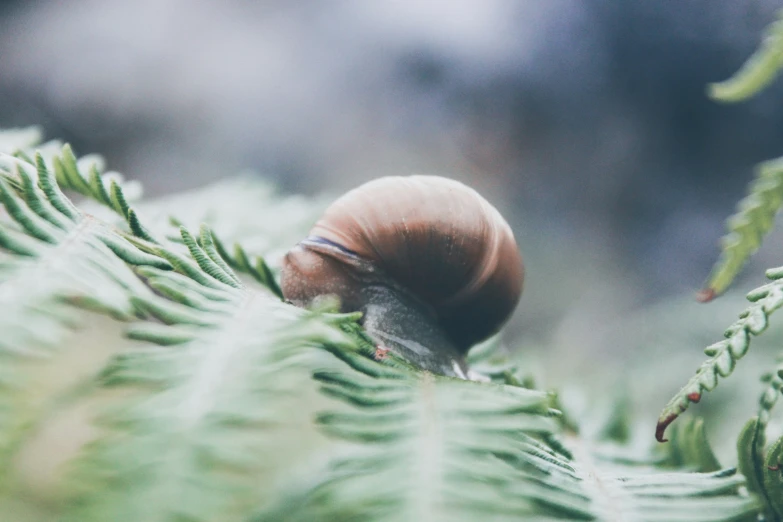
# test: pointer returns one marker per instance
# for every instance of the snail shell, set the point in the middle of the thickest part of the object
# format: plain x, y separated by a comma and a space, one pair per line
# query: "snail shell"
428, 244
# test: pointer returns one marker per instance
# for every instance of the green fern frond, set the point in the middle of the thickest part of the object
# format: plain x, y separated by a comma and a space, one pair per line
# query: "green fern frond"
757, 72
773, 478
252, 235
424, 455
491, 359
256, 268
24, 144
206, 418
689, 448
103, 189
209, 414
750, 452
764, 472
770, 396
106, 189
52, 257
747, 228
434, 448
725, 354
239, 261
437, 448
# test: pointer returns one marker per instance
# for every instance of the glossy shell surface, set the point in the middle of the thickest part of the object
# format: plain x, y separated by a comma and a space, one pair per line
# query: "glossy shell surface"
435, 237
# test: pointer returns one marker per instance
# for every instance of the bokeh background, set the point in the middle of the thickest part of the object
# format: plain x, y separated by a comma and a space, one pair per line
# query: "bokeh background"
585, 121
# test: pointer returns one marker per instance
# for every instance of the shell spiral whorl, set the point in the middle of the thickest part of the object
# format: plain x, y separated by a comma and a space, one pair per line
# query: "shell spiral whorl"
431, 237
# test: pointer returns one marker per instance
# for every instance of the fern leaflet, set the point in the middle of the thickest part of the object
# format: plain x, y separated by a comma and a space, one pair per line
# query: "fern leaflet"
725, 354
747, 228
757, 72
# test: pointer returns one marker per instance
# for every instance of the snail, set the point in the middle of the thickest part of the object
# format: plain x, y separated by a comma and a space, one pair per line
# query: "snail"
432, 265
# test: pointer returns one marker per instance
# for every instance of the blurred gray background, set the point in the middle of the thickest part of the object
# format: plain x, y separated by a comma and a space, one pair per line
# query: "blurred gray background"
585, 121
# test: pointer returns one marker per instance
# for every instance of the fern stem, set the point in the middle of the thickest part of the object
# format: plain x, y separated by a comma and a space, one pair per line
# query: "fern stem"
724, 354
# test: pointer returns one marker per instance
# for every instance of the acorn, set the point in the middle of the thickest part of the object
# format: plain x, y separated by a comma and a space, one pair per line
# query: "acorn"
433, 267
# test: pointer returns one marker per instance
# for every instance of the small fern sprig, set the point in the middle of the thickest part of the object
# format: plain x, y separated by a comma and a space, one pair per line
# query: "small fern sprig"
105, 189
725, 354
747, 228
240, 261
757, 72
102, 189
689, 447
771, 395
764, 473
23, 144
255, 267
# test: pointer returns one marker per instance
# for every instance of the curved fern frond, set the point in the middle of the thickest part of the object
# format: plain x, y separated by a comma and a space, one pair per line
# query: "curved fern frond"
240, 261
52, 256
757, 72
433, 448
102, 188
205, 418
773, 478
725, 354
256, 267
24, 144
770, 396
652, 494
754, 219
689, 448
764, 472
252, 234
210, 412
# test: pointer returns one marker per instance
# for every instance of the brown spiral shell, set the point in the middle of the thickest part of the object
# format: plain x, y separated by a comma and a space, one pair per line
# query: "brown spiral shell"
434, 237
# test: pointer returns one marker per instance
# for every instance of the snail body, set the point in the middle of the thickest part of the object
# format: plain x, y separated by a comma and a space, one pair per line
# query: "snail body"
432, 265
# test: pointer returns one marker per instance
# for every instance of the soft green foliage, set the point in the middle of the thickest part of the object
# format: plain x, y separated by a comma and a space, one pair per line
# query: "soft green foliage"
762, 466
757, 72
53, 256
435, 448
725, 354
689, 448
756, 212
257, 267
754, 219
211, 411
193, 441
764, 472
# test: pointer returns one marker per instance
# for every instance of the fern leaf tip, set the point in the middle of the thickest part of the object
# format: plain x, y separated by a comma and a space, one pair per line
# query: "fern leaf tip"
705, 295
660, 428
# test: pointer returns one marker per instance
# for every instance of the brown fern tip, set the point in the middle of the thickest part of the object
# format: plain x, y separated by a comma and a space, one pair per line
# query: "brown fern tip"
662, 425
706, 295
